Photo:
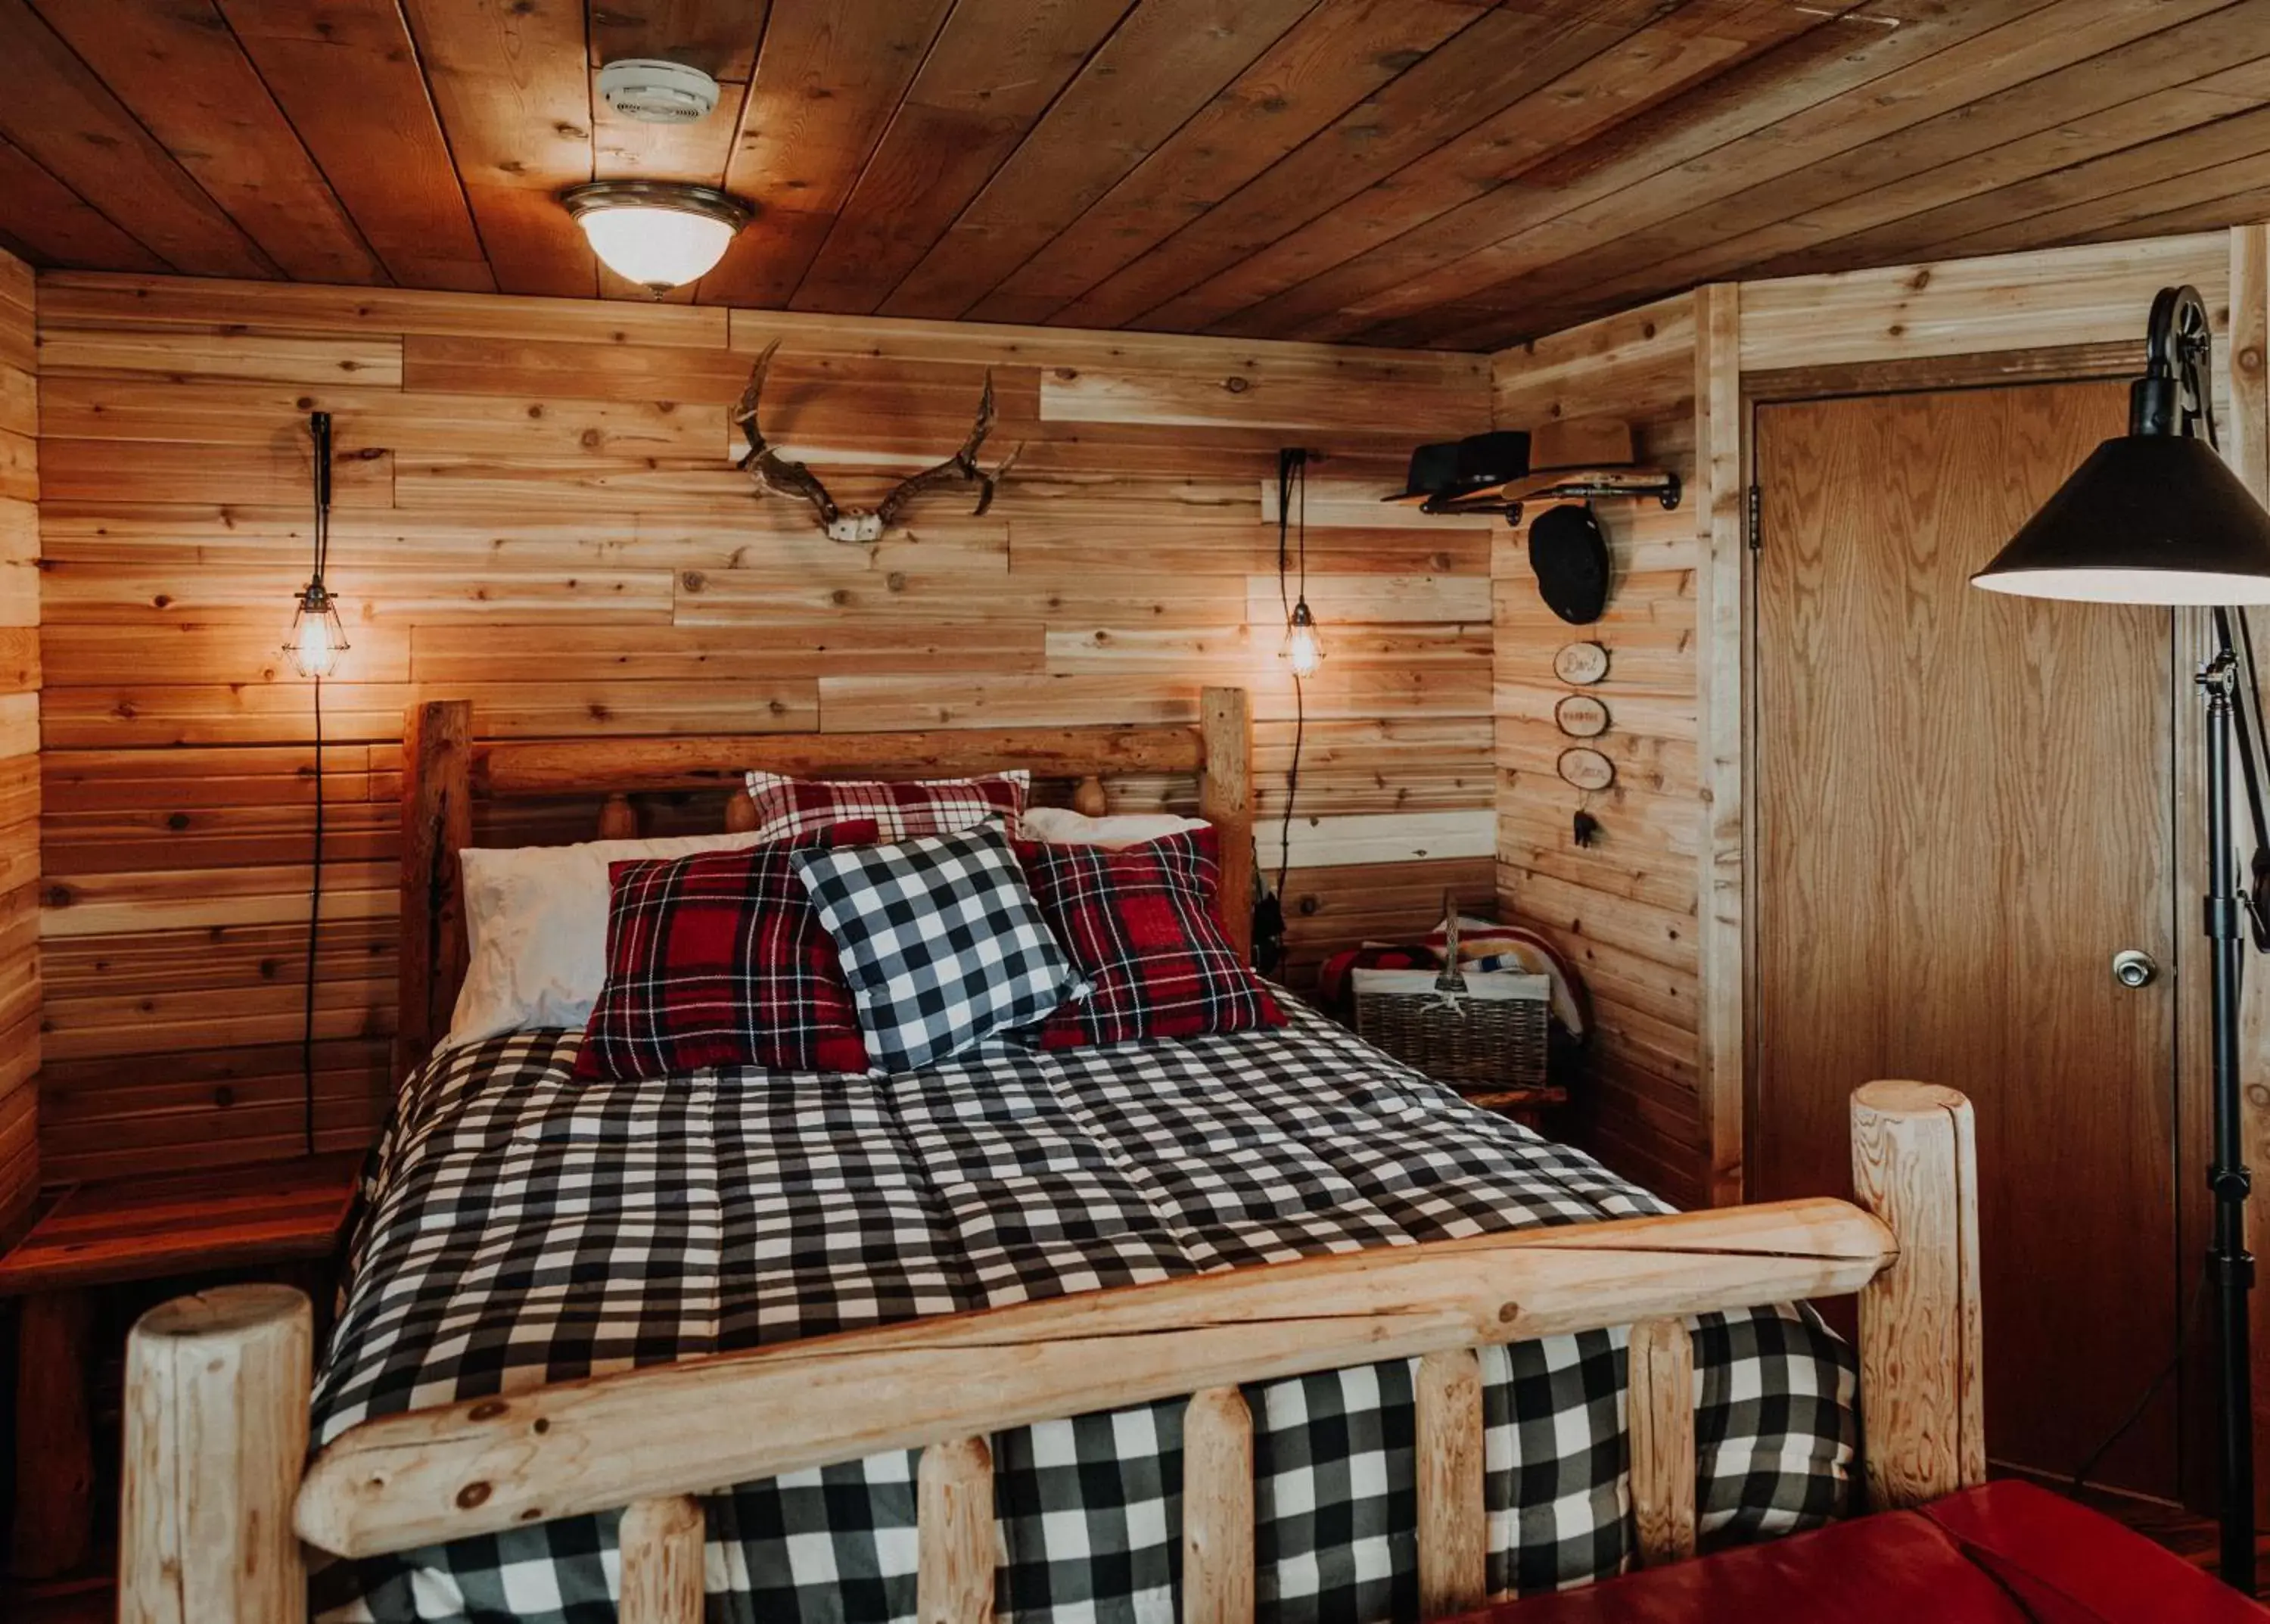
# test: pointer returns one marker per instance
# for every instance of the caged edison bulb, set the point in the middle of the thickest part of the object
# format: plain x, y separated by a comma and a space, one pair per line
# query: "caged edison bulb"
1302, 652
317, 639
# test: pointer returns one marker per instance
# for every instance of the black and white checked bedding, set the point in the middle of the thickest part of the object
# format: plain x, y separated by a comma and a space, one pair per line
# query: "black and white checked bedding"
524, 1229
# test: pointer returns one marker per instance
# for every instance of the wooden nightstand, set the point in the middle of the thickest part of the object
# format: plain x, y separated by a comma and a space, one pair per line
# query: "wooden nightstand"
109, 1234
1525, 1106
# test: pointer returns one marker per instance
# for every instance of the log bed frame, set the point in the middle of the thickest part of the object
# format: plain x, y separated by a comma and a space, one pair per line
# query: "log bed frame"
218, 1494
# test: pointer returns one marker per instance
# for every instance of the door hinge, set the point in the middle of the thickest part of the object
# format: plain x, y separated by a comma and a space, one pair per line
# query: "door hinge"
1757, 504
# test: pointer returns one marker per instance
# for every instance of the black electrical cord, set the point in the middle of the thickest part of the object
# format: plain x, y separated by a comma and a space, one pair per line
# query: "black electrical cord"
1288, 462
2184, 1329
319, 428
315, 939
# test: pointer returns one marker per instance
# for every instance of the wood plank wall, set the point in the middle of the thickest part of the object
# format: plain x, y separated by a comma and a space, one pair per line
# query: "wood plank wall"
535, 509
1624, 907
1666, 996
19, 742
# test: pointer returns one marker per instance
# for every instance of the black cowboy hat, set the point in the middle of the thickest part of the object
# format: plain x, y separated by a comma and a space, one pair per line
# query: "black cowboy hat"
1489, 459
1433, 467
1570, 559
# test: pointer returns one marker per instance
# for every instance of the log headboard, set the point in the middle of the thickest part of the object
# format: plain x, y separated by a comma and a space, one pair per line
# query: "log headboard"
446, 767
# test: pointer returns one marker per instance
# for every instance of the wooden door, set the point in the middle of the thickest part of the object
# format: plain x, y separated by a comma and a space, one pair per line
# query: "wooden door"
1963, 811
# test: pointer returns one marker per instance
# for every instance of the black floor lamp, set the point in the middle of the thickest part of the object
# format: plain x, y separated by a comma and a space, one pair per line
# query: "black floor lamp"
2156, 516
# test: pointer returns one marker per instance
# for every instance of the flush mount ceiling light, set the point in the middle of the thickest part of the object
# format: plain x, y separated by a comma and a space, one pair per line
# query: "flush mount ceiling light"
658, 234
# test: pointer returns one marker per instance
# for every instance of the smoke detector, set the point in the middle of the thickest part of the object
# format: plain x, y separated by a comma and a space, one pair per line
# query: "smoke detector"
650, 90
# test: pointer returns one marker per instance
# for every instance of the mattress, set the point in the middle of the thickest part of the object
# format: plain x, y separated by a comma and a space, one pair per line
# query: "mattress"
523, 1228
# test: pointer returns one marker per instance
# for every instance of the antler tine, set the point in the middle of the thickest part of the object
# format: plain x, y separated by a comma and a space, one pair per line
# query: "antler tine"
983, 426
745, 409
775, 474
988, 481
961, 465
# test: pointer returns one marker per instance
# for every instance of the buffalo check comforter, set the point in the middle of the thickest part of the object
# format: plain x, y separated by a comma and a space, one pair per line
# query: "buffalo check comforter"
524, 1228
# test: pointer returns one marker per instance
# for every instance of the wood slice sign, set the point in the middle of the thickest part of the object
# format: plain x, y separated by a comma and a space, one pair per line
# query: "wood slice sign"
1581, 665
1587, 769
1580, 715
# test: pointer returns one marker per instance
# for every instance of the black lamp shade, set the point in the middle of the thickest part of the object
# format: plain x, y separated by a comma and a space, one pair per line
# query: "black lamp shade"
2148, 519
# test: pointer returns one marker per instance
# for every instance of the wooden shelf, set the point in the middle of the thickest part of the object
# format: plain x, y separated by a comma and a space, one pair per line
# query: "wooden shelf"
149, 1229
1516, 1099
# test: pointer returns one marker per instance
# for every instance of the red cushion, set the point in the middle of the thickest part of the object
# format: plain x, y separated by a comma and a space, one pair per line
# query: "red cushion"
718, 958
1141, 924
2005, 1553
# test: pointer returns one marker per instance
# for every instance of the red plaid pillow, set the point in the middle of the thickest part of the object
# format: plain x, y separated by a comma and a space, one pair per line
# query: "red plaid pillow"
801, 808
718, 958
1141, 925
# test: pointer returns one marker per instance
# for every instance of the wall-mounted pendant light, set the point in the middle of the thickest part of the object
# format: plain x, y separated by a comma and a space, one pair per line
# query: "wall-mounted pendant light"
658, 234
317, 639
1303, 651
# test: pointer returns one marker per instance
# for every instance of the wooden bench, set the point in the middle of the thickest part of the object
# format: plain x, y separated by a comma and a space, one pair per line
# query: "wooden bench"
114, 1233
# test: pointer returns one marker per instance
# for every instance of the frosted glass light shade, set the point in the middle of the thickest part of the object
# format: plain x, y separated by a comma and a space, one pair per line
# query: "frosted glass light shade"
659, 235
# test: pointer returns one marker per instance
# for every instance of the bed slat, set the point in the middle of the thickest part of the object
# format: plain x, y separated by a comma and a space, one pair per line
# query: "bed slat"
1660, 1417
661, 1542
954, 1532
1218, 1509
1453, 1527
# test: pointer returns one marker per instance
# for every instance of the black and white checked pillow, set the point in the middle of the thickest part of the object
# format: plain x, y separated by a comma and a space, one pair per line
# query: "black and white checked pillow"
940, 942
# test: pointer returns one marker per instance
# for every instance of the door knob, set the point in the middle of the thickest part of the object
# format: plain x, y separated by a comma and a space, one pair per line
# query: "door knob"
2132, 966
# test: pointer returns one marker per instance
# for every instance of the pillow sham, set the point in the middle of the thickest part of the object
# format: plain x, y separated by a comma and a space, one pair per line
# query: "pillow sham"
940, 941
799, 808
1059, 827
1142, 926
536, 928
716, 958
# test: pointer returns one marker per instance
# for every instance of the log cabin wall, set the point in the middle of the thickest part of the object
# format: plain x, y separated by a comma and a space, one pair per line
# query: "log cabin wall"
19, 743
535, 509
1666, 968
1624, 906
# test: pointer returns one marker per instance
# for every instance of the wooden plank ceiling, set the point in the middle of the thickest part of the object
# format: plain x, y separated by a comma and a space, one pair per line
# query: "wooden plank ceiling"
1441, 173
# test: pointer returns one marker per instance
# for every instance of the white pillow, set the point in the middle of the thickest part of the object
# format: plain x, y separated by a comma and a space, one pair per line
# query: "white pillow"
1053, 826
536, 924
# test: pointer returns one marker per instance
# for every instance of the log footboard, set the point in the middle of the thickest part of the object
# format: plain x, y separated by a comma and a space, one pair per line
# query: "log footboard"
217, 1502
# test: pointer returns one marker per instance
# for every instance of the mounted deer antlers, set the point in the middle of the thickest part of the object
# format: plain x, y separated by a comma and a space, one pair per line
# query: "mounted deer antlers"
777, 476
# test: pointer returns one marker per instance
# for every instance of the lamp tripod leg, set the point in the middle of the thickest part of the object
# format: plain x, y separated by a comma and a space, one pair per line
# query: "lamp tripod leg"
2229, 1262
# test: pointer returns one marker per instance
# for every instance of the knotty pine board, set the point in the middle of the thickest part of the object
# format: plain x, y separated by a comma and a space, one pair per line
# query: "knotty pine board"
19, 742
537, 511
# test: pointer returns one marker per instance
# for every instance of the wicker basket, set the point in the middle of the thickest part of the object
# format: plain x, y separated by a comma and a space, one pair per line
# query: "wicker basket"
1484, 1030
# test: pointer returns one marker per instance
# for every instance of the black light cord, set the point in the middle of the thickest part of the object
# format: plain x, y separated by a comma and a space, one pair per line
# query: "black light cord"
315, 941
319, 426
2184, 1329
1288, 461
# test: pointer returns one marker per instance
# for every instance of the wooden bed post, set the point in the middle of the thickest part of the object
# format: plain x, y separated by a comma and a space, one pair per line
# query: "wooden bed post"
216, 1425
437, 824
1226, 800
1915, 1164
